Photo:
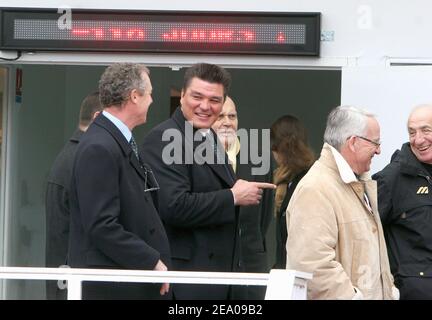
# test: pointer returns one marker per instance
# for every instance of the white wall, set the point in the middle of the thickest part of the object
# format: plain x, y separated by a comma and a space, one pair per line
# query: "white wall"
390, 93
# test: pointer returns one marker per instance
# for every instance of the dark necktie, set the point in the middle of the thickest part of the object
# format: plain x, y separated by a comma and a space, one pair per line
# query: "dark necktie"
219, 156
212, 142
134, 147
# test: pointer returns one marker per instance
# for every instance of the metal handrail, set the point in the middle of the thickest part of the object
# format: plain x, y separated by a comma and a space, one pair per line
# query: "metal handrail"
75, 276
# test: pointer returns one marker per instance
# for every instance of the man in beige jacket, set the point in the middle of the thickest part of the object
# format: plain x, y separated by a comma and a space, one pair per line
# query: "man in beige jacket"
334, 229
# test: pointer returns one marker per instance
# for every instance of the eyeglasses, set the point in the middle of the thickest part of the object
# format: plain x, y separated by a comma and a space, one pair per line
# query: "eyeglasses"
375, 143
150, 181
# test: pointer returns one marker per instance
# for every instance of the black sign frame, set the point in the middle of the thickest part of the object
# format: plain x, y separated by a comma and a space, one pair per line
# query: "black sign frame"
309, 23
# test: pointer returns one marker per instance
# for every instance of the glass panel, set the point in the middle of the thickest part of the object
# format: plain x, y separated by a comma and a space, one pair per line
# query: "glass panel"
37, 130
3, 96
40, 126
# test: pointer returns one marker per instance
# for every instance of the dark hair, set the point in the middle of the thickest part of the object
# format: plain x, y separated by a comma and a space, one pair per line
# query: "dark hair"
288, 138
118, 80
210, 73
89, 106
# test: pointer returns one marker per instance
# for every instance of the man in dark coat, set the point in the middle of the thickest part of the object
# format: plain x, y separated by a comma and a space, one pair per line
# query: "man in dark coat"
114, 223
405, 207
199, 191
57, 197
253, 220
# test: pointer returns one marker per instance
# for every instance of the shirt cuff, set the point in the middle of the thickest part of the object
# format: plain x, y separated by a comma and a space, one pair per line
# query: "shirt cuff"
233, 197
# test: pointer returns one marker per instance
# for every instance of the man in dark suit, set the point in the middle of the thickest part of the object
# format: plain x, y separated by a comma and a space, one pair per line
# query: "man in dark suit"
253, 220
114, 223
199, 191
57, 197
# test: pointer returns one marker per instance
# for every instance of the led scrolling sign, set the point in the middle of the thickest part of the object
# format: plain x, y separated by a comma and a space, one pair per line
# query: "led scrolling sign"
164, 32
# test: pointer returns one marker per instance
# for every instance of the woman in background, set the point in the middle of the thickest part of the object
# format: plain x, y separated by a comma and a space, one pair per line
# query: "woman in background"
294, 158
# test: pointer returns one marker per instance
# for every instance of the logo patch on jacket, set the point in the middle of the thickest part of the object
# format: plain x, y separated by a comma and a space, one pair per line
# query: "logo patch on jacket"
423, 190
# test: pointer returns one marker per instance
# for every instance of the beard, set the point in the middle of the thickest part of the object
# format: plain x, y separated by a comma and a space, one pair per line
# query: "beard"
227, 137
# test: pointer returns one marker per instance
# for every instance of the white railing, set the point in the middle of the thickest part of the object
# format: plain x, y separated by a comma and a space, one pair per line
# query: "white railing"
281, 284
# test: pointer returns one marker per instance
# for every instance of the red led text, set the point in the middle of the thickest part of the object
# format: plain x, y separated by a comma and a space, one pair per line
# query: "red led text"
109, 33
209, 35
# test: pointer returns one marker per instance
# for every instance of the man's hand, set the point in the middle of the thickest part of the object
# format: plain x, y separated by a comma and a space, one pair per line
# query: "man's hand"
160, 266
248, 193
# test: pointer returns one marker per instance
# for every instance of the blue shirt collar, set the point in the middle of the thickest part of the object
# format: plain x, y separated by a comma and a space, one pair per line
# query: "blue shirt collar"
119, 124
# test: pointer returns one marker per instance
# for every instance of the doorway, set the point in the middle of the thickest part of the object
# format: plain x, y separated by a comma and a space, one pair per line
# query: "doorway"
48, 115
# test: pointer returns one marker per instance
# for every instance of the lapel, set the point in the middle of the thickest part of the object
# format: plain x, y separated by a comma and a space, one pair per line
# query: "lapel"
359, 190
371, 190
362, 187
124, 145
223, 171
333, 159
137, 165
243, 171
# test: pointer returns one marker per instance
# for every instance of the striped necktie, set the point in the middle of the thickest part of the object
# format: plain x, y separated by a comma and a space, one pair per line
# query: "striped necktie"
134, 147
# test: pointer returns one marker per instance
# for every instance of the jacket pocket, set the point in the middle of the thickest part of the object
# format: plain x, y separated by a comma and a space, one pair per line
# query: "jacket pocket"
181, 252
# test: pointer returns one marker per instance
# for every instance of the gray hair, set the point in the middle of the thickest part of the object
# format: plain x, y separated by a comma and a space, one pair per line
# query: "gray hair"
344, 122
118, 80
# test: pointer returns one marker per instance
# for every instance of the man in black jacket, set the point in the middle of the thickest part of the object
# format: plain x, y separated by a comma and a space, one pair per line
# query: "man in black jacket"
199, 190
405, 206
253, 220
57, 197
114, 222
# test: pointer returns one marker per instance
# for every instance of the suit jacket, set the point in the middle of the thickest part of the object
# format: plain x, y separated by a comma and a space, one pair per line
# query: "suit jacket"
334, 234
114, 223
196, 206
57, 212
253, 225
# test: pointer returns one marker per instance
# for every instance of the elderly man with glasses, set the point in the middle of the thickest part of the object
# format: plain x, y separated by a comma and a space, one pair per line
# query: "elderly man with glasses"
334, 230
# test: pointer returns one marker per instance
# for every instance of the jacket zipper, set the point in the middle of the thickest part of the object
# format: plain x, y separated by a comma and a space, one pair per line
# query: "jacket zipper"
429, 179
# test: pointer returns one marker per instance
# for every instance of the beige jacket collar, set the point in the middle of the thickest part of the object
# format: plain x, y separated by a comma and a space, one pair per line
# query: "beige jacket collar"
346, 173
232, 152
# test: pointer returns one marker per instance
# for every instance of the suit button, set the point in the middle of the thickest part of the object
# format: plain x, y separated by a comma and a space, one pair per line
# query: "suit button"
240, 232
152, 231
374, 230
210, 255
240, 264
